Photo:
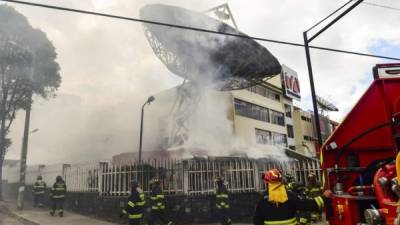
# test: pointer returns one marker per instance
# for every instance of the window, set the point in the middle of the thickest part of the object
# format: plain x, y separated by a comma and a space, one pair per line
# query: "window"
279, 139
277, 118
290, 132
288, 111
265, 92
270, 138
306, 118
263, 137
308, 138
250, 110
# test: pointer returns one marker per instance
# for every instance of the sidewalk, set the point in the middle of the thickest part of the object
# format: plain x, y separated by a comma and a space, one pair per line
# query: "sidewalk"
40, 216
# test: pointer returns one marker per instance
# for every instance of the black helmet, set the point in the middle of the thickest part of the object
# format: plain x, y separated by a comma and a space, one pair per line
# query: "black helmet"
134, 183
155, 182
59, 178
312, 178
39, 177
219, 180
289, 177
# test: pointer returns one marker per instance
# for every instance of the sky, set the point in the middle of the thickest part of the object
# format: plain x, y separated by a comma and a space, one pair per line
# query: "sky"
108, 68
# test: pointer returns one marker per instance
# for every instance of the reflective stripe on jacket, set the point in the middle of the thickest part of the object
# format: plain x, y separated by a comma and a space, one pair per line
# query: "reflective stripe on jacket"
58, 190
269, 213
157, 199
39, 187
314, 191
135, 205
292, 221
222, 198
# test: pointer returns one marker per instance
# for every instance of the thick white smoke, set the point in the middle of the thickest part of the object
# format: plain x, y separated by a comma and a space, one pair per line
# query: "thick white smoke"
201, 117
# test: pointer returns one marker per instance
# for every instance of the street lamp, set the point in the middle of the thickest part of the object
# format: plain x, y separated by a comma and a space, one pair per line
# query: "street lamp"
309, 66
149, 100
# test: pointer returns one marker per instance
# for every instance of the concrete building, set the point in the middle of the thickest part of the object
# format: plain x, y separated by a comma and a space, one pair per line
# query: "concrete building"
262, 116
259, 114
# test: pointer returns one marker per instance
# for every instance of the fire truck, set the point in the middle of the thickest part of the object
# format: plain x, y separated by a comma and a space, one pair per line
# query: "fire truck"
360, 160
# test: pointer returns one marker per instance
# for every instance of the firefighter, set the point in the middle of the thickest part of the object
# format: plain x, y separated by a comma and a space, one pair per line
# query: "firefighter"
38, 190
293, 186
289, 182
278, 206
299, 189
222, 201
157, 204
313, 189
135, 206
57, 196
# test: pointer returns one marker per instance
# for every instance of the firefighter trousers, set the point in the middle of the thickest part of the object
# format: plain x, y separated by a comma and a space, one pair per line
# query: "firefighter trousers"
134, 221
158, 215
57, 206
38, 200
223, 216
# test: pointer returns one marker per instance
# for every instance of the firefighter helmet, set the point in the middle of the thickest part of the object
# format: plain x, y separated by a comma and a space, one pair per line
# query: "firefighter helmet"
272, 175
312, 178
134, 183
289, 178
219, 180
59, 178
155, 181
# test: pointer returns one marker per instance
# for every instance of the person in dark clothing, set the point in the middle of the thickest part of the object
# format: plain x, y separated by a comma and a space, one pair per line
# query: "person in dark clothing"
135, 205
303, 217
278, 206
157, 204
293, 186
314, 189
222, 201
57, 196
38, 190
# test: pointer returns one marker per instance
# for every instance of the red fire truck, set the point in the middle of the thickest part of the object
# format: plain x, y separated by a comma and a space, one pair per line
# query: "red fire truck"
359, 159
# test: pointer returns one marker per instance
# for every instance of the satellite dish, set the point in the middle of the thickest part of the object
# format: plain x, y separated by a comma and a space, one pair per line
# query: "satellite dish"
230, 63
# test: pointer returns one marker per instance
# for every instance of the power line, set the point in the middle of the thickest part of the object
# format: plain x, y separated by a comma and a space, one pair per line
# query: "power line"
194, 28
341, 7
381, 6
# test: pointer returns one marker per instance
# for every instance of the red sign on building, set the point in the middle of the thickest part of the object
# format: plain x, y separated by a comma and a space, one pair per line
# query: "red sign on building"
291, 83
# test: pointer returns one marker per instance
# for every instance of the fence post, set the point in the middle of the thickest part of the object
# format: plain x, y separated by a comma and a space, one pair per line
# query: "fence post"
102, 166
185, 172
65, 168
256, 176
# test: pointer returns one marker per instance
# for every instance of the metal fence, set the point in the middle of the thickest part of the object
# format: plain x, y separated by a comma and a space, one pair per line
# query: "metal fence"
189, 177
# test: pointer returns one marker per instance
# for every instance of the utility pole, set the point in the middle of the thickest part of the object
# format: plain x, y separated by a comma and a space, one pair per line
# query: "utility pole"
24, 151
307, 41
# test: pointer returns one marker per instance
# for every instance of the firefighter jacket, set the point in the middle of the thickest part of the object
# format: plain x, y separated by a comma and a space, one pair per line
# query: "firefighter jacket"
39, 187
270, 213
135, 206
58, 190
157, 201
313, 190
222, 197
296, 188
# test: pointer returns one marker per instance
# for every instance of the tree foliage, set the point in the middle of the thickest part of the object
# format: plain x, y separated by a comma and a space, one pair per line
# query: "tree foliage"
27, 67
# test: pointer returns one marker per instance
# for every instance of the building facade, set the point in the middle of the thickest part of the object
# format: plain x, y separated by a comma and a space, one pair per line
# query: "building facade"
262, 116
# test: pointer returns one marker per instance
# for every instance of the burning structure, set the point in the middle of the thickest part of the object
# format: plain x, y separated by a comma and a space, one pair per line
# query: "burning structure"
207, 61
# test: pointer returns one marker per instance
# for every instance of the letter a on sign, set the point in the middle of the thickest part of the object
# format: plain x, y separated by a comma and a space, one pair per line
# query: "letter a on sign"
291, 83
